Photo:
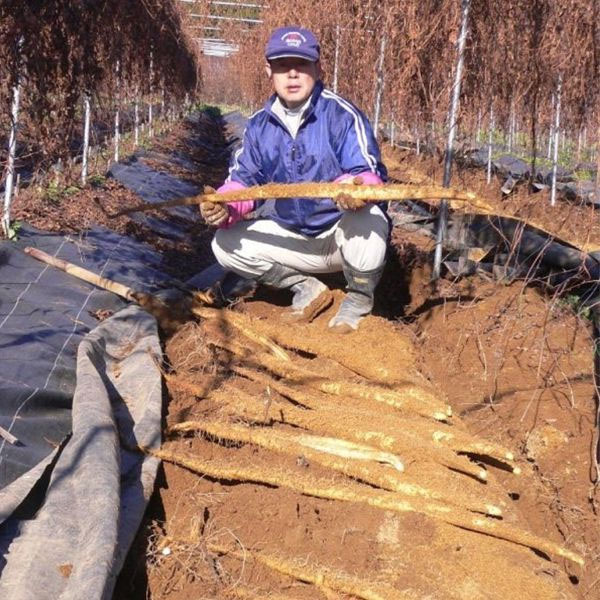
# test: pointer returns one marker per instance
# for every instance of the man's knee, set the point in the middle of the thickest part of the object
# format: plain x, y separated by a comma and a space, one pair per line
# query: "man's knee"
219, 247
232, 251
362, 237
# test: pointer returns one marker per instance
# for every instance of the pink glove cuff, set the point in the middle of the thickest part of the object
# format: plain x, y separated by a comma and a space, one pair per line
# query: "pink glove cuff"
236, 210
368, 178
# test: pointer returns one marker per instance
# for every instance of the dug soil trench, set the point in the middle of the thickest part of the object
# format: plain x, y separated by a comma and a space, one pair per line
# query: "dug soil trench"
442, 451
258, 501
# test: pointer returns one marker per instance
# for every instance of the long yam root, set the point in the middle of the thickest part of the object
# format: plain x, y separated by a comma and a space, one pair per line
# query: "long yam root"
237, 321
304, 483
175, 382
453, 438
391, 436
282, 191
411, 398
460, 441
289, 337
325, 451
242, 591
325, 579
291, 443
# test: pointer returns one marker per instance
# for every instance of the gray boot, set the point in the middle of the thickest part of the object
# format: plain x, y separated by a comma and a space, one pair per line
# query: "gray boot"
359, 298
311, 296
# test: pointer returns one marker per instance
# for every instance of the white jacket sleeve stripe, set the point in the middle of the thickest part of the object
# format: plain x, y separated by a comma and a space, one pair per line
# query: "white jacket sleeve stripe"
359, 127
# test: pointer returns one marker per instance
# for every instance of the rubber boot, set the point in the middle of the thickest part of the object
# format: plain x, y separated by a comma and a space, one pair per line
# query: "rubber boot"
311, 296
359, 298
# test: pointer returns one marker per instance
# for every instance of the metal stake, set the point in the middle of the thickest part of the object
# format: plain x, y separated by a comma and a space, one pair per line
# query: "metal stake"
117, 133
86, 137
556, 134
379, 85
598, 168
442, 223
150, 103
490, 139
336, 58
12, 143
551, 132
136, 123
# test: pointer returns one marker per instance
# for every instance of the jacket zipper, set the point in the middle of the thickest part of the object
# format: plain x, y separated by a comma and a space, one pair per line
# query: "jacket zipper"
295, 176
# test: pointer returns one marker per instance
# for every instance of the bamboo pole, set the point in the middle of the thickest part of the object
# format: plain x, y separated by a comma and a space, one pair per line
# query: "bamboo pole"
442, 223
167, 317
12, 143
85, 275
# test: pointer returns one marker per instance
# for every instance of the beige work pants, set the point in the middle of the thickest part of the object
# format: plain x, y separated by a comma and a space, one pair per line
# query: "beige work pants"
250, 248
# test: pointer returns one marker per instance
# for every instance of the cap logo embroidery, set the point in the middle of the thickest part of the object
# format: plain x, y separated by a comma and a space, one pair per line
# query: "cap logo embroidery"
293, 39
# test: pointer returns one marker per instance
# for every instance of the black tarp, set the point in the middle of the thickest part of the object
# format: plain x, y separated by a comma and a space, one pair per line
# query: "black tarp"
75, 545
68, 415
75, 393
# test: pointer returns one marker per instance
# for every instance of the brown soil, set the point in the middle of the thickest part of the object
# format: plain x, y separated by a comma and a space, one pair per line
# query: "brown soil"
208, 523
258, 517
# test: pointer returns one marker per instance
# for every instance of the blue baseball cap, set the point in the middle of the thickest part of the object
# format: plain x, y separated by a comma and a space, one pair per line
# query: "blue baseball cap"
293, 41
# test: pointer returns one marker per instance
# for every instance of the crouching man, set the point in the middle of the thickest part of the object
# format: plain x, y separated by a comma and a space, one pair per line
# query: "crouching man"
305, 133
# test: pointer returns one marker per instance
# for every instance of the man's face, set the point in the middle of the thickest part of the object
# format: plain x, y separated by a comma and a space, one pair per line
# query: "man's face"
293, 79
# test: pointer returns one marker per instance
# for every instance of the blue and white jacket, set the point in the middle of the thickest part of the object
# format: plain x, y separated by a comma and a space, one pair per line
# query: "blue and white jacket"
335, 138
